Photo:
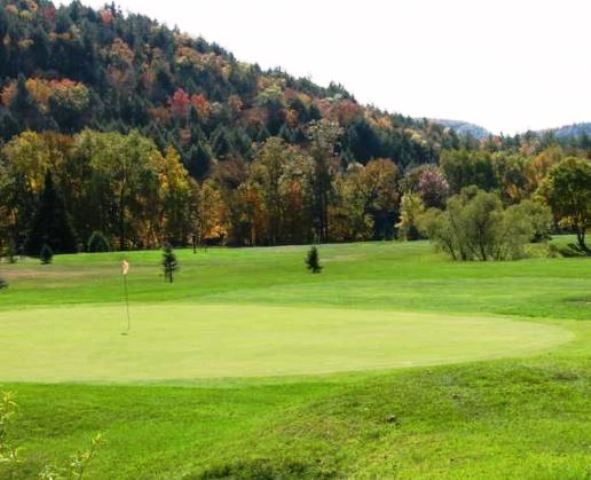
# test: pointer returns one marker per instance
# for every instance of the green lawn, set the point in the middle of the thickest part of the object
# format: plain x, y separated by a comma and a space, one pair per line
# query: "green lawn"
249, 367
194, 342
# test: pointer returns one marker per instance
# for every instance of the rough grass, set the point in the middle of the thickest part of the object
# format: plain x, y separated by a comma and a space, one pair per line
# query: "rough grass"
514, 418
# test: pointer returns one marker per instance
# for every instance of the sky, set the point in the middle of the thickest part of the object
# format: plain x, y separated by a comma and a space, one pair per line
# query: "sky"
507, 65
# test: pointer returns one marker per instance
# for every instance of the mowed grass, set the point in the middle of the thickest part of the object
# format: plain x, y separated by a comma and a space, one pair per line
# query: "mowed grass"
192, 342
521, 417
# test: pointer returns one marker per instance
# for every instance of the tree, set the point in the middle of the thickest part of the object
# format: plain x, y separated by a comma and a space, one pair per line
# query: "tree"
313, 261
46, 254
567, 189
540, 217
376, 188
174, 196
51, 225
323, 138
169, 263
433, 187
411, 208
98, 242
464, 168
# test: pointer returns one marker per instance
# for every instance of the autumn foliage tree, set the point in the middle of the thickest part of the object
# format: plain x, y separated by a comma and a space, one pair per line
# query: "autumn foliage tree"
567, 190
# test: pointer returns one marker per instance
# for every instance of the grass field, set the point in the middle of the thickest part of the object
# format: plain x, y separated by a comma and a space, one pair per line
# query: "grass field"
249, 367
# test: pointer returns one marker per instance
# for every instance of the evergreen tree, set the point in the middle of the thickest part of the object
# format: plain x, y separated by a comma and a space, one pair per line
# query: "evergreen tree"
46, 254
199, 161
51, 224
98, 242
313, 261
169, 263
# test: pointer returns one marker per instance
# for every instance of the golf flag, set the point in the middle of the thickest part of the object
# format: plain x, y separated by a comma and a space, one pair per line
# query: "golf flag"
125, 268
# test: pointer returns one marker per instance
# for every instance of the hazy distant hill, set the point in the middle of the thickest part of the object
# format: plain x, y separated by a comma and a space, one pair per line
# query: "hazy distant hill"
465, 128
571, 131
576, 130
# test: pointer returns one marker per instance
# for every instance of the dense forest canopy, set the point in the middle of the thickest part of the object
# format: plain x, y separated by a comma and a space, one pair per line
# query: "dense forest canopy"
145, 134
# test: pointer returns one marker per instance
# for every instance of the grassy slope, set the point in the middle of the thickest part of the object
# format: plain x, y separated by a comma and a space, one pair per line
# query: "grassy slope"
522, 418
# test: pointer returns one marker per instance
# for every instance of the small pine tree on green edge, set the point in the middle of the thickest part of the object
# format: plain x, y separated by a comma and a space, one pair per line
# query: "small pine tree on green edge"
46, 254
169, 263
313, 261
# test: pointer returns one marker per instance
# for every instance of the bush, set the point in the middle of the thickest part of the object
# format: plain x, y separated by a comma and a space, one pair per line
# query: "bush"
3, 284
98, 243
476, 227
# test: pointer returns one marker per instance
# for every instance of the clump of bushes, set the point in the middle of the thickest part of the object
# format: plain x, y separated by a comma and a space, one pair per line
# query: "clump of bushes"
476, 226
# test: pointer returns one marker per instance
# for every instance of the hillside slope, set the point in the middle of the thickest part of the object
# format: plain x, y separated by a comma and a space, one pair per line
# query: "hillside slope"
72, 67
465, 128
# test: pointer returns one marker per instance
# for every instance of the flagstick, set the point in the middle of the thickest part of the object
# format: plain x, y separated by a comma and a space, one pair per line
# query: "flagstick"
126, 305
125, 271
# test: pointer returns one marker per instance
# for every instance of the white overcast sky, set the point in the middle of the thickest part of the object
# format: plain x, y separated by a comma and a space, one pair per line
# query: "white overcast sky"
507, 65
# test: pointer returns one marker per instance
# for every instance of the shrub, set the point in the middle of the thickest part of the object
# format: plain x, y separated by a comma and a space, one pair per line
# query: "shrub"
476, 227
3, 284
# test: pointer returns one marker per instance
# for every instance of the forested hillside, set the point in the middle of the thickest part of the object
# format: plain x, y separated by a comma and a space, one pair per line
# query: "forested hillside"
73, 68
118, 128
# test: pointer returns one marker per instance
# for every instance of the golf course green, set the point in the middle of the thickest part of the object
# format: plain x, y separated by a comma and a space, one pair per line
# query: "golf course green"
191, 342
394, 362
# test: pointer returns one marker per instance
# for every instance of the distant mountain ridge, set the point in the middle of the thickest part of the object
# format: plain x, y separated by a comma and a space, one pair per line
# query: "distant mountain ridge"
480, 133
465, 128
570, 131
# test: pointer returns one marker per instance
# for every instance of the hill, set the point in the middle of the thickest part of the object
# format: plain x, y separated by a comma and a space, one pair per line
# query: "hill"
465, 128
575, 130
72, 67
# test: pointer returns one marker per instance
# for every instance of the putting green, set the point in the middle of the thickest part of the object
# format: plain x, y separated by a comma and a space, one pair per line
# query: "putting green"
186, 342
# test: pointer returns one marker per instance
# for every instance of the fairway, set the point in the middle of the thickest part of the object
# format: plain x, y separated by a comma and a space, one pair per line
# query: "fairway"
249, 364
176, 342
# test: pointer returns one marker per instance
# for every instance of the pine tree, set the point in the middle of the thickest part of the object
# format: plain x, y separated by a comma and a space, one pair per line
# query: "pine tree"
313, 261
51, 224
46, 254
169, 263
98, 242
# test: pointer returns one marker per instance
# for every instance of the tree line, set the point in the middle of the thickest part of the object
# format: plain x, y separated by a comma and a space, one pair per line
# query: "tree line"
94, 191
